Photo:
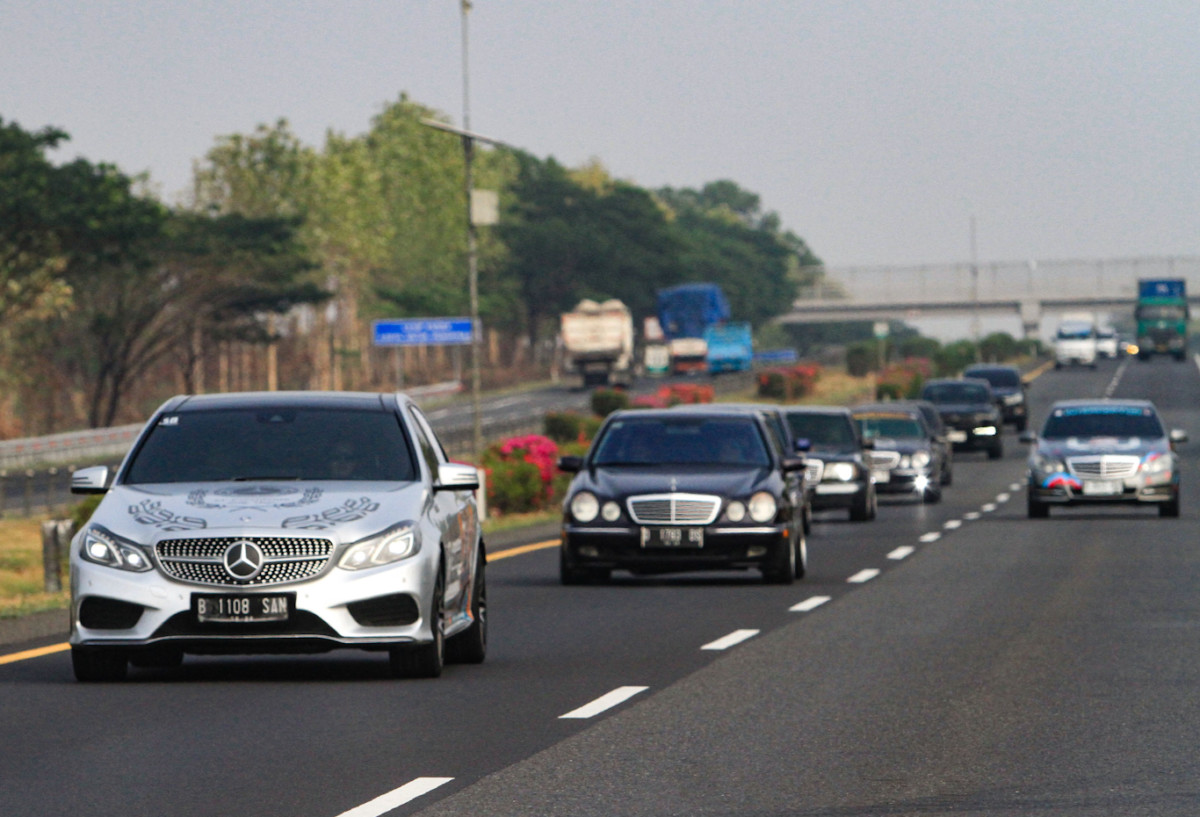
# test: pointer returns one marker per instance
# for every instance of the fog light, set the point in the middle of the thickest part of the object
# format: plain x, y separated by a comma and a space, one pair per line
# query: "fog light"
589, 551
756, 551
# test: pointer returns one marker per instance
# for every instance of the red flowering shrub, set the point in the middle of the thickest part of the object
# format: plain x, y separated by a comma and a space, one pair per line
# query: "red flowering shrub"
521, 473
903, 381
788, 382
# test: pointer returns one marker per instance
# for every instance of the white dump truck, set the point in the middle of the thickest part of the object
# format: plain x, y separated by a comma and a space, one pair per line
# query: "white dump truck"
597, 343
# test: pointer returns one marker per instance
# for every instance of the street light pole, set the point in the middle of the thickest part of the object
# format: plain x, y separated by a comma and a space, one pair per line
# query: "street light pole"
468, 143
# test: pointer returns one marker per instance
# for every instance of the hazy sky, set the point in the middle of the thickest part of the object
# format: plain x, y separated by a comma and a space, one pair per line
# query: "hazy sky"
875, 129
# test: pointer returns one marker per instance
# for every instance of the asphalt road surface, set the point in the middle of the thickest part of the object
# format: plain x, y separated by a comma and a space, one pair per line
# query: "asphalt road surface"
949, 659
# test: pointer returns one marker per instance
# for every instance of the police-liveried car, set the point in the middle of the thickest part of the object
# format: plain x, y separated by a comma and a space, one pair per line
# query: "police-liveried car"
1102, 452
281, 522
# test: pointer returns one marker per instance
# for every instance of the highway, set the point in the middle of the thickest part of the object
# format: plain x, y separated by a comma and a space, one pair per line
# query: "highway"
944, 659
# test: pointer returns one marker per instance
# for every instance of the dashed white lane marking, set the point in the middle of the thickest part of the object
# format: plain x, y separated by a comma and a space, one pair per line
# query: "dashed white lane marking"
953, 524
932, 536
1002, 498
725, 642
604, 702
987, 507
1016, 486
1116, 381
863, 576
397, 797
809, 604
971, 516
902, 552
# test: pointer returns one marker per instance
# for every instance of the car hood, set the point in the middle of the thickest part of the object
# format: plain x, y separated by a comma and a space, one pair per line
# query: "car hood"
627, 480
1084, 446
905, 445
341, 511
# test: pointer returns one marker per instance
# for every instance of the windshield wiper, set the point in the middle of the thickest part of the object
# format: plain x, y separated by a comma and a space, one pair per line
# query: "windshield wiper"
266, 478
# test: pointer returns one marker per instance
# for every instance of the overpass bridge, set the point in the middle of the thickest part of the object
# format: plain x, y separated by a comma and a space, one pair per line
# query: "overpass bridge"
1029, 290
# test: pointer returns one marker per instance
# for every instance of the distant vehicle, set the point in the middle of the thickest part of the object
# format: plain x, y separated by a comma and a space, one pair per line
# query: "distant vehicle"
663, 490
1162, 315
1075, 341
903, 456
730, 347
684, 313
835, 460
280, 522
969, 410
597, 341
1009, 388
1107, 343
941, 436
1103, 451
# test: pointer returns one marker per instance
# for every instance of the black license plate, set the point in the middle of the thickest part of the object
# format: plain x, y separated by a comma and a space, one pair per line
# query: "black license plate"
672, 537
242, 607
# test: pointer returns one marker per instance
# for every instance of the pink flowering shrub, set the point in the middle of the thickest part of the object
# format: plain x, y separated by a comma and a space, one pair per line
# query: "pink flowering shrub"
521, 473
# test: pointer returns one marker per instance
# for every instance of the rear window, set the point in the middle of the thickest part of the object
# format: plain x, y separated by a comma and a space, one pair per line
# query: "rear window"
889, 426
1102, 421
822, 429
1005, 378
682, 440
956, 393
269, 444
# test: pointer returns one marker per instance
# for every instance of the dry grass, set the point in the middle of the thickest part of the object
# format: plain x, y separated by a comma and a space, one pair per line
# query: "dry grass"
21, 576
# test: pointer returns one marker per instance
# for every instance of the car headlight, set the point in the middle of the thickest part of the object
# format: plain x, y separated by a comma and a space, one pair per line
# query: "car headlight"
1014, 399
584, 506
1157, 464
395, 543
610, 511
839, 471
763, 507
920, 459
1048, 465
103, 547
735, 511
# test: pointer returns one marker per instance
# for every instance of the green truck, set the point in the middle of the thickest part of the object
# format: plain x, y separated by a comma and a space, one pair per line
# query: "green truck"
1162, 317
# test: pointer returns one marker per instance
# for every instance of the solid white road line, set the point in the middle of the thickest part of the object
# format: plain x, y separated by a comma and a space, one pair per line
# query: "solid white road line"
809, 604
863, 576
902, 552
953, 524
604, 702
725, 642
397, 797
932, 536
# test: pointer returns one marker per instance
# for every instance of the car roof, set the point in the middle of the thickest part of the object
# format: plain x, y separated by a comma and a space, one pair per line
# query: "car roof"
360, 401
889, 408
1102, 401
815, 409
990, 367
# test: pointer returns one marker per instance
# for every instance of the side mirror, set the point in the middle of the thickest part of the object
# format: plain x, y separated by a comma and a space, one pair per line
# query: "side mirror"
456, 476
868, 445
570, 464
1178, 435
1028, 437
793, 464
93, 480
804, 444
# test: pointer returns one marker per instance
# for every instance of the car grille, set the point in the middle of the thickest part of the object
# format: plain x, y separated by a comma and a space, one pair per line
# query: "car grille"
884, 459
813, 471
1105, 466
674, 509
200, 561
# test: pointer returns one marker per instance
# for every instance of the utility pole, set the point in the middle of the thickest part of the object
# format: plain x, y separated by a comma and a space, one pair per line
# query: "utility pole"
974, 287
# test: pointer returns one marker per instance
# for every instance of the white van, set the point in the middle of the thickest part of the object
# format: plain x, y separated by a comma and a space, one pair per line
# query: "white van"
1075, 342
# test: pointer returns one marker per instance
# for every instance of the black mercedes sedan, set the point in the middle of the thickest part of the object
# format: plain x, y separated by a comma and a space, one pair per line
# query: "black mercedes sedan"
663, 491
971, 413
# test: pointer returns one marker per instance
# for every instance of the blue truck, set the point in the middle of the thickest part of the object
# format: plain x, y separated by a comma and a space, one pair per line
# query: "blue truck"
685, 312
730, 347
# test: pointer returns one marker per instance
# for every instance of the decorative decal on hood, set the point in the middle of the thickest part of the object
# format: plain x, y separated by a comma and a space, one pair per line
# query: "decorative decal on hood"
151, 512
349, 511
253, 497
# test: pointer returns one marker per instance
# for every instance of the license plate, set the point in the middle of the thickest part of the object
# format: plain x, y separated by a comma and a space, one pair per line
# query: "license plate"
881, 475
957, 436
1102, 488
672, 537
231, 608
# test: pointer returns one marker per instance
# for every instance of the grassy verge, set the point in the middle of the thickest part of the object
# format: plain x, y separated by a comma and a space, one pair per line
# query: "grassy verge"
21, 577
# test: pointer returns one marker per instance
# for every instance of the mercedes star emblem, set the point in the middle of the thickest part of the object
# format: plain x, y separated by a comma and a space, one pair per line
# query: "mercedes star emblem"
243, 560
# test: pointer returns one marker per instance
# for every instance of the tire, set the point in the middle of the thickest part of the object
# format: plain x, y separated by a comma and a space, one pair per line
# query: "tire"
947, 474
425, 660
99, 664
1170, 509
931, 495
782, 567
863, 510
569, 575
1037, 510
996, 452
470, 646
1021, 424
802, 557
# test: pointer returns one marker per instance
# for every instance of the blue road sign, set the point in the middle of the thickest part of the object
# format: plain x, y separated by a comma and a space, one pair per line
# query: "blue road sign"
422, 332
776, 356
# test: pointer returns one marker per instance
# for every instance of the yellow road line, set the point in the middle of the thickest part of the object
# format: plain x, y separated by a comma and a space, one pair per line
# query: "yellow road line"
40, 651
517, 551
53, 648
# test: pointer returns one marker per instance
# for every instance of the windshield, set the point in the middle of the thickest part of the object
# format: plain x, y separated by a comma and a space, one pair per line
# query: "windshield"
956, 393
830, 430
292, 444
682, 440
1102, 421
1076, 331
889, 426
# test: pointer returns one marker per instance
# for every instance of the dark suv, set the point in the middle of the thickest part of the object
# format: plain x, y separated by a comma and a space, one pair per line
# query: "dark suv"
835, 466
1009, 389
969, 409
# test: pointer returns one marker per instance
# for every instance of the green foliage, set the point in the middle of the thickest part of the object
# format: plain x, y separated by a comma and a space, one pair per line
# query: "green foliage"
863, 357
903, 381
954, 357
606, 401
997, 347
565, 427
514, 486
82, 511
788, 382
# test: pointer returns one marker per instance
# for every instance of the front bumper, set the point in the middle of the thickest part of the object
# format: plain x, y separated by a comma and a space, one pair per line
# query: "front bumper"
1133, 490
837, 495
375, 608
724, 547
975, 437
903, 480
